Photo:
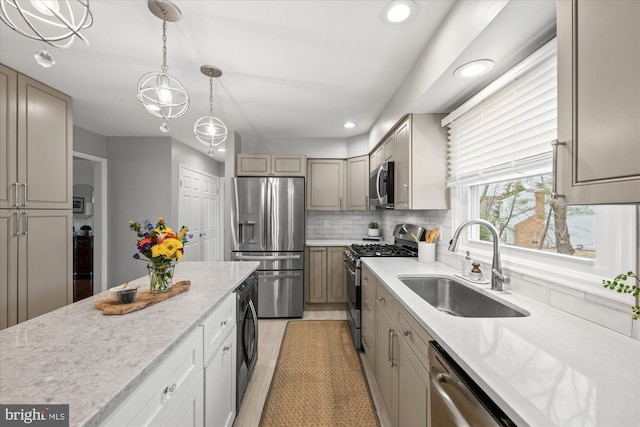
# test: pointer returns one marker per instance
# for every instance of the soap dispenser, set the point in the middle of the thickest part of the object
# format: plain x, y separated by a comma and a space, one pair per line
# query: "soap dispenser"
466, 265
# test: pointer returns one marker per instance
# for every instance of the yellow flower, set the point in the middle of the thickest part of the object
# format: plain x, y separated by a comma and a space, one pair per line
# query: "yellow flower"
182, 232
169, 249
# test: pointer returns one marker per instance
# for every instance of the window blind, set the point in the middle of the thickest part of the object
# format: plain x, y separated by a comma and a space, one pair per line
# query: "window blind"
505, 131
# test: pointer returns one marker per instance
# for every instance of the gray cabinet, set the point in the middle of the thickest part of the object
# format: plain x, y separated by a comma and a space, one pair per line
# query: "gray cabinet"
598, 107
35, 198
271, 165
398, 354
325, 184
420, 145
327, 282
358, 183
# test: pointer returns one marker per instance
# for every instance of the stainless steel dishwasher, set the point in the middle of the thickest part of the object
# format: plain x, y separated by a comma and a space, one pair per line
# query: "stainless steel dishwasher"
456, 401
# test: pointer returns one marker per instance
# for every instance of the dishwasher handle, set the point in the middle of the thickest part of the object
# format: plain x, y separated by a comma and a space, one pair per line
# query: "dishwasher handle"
455, 413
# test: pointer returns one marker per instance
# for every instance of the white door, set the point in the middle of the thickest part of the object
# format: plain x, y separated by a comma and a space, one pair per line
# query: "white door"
199, 209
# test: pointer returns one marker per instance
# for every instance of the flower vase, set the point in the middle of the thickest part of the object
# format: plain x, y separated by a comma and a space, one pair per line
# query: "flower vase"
161, 277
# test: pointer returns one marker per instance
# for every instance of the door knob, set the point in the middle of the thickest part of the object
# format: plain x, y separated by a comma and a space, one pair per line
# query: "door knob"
202, 234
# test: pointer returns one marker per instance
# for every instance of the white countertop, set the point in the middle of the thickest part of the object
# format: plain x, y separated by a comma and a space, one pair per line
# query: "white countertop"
547, 369
339, 242
76, 355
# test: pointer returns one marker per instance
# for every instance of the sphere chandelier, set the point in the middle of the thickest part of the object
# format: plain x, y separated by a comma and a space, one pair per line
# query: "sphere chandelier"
56, 22
210, 130
160, 93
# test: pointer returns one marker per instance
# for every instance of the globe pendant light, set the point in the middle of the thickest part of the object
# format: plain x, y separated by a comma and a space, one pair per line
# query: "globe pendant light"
209, 129
161, 94
56, 22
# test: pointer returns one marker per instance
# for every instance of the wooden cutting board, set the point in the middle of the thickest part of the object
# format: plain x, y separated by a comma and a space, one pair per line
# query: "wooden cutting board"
143, 300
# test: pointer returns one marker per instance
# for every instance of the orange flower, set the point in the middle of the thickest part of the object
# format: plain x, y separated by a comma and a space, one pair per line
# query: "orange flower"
160, 219
145, 241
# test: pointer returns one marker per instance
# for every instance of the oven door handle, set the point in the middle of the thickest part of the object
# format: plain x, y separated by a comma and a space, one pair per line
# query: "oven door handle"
352, 272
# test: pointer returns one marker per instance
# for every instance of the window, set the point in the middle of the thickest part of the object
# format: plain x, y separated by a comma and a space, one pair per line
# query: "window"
526, 216
500, 163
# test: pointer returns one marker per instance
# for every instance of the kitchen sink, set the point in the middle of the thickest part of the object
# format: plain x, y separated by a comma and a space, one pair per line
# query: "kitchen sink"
458, 299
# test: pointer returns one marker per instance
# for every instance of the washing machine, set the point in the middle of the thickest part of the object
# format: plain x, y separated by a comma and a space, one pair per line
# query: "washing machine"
247, 348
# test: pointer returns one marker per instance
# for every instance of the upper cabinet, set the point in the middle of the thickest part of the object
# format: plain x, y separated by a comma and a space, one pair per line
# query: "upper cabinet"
325, 184
420, 163
358, 183
36, 142
598, 156
271, 165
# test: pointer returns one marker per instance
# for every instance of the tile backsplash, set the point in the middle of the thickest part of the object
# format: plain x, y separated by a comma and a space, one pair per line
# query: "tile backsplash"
589, 306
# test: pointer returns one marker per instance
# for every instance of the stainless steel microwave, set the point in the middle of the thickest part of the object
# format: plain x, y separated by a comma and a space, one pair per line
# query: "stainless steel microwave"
381, 187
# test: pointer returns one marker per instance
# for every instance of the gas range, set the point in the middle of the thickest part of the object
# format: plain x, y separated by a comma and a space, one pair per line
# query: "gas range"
405, 245
377, 249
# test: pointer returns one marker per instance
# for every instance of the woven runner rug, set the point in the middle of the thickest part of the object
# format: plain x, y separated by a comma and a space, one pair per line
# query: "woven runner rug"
318, 380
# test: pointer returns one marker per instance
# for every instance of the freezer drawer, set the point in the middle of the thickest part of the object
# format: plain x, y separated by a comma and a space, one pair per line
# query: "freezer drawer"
280, 294
272, 260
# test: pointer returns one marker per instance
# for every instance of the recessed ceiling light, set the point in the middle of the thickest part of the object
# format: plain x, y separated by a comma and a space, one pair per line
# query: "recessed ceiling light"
349, 125
473, 69
221, 150
399, 11
164, 128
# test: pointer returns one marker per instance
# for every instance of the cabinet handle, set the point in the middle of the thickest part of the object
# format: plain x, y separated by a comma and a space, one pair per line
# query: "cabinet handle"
24, 195
26, 223
366, 202
16, 224
226, 347
364, 342
364, 305
168, 392
17, 184
554, 175
390, 349
223, 323
406, 333
381, 299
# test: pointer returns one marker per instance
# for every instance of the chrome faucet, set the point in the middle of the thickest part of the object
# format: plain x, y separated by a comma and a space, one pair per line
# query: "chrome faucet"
497, 278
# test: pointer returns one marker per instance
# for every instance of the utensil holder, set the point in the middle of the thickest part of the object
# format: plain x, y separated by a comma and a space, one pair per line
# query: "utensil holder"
426, 252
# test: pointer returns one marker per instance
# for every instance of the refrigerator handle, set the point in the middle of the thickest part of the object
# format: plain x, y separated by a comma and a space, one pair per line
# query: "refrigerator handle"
241, 232
267, 217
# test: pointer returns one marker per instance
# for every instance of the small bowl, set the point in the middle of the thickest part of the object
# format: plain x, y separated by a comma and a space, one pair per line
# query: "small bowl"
113, 292
127, 296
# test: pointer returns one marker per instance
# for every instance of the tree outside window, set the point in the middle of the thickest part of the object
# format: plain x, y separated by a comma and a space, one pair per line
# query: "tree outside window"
525, 215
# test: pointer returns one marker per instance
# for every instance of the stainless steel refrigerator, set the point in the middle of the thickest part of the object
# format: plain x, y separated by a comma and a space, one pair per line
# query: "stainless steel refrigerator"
267, 225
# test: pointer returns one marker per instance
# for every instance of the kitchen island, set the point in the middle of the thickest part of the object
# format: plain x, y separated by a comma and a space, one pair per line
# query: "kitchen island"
547, 369
76, 355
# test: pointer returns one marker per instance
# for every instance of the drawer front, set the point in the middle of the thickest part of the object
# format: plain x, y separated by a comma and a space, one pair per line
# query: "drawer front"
368, 280
414, 335
155, 399
385, 301
189, 412
218, 325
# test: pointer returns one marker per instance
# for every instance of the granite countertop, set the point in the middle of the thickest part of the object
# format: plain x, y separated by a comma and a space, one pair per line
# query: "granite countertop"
547, 369
76, 355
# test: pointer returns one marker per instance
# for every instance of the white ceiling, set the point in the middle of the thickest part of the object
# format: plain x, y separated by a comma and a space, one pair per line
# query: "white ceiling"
291, 69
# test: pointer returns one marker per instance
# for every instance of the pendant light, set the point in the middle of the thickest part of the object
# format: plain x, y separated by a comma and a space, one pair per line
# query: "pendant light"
209, 129
161, 94
56, 22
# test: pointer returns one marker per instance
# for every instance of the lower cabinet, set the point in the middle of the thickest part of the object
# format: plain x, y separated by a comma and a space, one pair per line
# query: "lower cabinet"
327, 282
189, 412
396, 348
184, 390
220, 385
166, 389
